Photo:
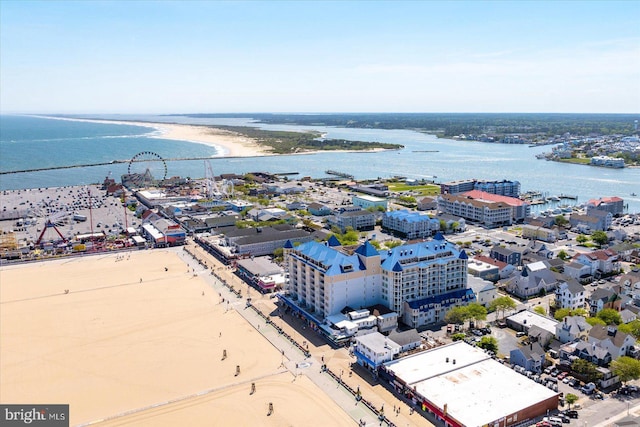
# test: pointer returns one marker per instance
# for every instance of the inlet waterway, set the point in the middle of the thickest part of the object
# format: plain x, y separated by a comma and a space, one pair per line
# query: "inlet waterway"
31, 143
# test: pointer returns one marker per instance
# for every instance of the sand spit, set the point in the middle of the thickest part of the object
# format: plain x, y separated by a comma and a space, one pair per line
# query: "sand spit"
229, 143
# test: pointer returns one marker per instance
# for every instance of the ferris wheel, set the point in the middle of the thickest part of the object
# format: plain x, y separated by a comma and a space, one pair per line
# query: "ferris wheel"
147, 168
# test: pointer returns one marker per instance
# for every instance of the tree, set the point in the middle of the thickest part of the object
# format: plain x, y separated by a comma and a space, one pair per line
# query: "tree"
540, 310
593, 321
581, 239
571, 399
600, 238
457, 315
561, 313
278, 254
632, 328
488, 343
609, 316
459, 336
392, 243
476, 312
502, 304
586, 368
627, 368
563, 255
443, 225
561, 221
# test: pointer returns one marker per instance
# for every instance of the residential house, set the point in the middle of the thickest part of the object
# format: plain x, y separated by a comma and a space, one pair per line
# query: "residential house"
483, 270
505, 255
530, 357
601, 262
584, 350
578, 271
539, 335
484, 290
616, 342
595, 221
572, 328
319, 209
603, 298
428, 203
407, 340
539, 233
504, 269
570, 294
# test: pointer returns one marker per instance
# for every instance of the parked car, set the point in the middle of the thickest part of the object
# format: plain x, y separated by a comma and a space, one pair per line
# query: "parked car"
567, 380
562, 375
548, 370
588, 389
571, 413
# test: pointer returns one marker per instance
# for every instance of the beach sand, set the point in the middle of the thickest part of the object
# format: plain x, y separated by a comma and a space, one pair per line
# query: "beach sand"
142, 353
230, 143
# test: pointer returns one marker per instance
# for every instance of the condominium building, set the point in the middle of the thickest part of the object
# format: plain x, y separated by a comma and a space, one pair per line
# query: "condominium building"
410, 224
488, 213
420, 281
361, 220
502, 188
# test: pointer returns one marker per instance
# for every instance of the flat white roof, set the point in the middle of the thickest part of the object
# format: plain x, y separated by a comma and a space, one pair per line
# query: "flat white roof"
369, 198
483, 392
530, 318
377, 342
477, 389
425, 365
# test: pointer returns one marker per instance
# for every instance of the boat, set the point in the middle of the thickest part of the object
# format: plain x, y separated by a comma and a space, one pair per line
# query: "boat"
633, 194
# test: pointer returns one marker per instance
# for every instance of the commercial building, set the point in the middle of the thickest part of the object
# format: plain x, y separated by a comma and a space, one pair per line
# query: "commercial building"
460, 385
613, 205
261, 272
420, 281
366, 202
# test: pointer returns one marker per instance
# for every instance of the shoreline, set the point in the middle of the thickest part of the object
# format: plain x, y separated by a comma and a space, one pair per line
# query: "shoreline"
228, 144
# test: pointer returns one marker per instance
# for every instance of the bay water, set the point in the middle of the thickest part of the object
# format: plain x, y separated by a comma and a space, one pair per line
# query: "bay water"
28, 142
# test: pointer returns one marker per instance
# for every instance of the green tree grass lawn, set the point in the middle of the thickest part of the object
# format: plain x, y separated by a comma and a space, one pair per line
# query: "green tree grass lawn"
283, 142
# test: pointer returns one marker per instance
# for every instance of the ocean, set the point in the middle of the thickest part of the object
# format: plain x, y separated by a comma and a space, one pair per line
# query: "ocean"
33, 142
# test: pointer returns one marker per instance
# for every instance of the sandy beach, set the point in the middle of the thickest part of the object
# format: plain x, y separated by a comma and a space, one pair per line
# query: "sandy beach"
230, 144
138, 339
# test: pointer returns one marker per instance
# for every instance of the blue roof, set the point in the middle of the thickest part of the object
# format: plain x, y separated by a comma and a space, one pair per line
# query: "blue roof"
463, 255
367, 250
422, 253
409, 216
333, 241
438, 236
332, 261
460, 294
288, 245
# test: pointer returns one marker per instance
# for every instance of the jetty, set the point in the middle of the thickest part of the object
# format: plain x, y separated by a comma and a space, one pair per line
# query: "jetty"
340, 174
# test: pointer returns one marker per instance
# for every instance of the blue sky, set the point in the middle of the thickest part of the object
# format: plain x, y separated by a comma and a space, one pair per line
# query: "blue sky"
306, 56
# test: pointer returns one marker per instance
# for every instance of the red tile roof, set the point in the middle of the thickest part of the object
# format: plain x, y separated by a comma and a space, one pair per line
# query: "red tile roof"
483, 195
